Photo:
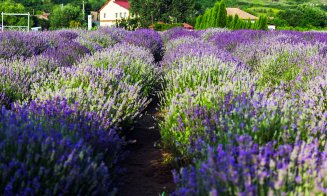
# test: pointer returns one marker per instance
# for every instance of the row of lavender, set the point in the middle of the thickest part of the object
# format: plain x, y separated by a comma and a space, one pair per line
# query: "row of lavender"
67, 98
245, 112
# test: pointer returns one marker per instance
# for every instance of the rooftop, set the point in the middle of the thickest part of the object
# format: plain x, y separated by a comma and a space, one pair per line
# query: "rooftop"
122, 3
241, 14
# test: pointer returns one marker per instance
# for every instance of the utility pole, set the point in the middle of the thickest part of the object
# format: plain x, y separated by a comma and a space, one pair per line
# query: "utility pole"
83, 10
28, 22
2, 22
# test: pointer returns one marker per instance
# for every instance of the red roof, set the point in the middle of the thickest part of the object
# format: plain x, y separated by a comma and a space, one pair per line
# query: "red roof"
122, 3
187, 26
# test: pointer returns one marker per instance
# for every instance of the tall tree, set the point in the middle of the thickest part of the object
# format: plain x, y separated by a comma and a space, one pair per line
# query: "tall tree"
204, 20
183, 10
222, 15
62, 17
235, 23
212, 18
216, 14
229, 21
150, 11
262, 24
198, 22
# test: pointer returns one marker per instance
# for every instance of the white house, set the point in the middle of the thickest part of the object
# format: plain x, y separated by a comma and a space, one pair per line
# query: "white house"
113, 10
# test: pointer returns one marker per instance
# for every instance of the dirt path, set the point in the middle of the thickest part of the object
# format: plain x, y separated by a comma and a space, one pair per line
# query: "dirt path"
146, 174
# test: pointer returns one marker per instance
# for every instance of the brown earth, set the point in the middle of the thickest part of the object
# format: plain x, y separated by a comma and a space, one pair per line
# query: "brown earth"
146, 173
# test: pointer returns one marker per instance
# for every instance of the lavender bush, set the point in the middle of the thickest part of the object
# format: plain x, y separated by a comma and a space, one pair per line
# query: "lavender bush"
102, 38
70, 95
245, 112
176, 33
136, 63
16, 45
17, 77
148, 39
49, 149
189, 129
248, 169
106, 91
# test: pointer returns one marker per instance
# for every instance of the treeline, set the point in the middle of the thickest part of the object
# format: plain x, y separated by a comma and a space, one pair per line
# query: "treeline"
304, 16
289, 14
168, 11
217, 17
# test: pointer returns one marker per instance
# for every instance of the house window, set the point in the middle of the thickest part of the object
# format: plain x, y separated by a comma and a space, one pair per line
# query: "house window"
104, 15
121, 14
125, 14
116, 15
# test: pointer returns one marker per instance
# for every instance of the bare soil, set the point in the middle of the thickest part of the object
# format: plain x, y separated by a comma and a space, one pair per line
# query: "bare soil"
146, 173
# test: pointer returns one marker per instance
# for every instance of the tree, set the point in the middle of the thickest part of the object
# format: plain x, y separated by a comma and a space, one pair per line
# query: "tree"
198, 22
235, 23
61, 17
95, 5
249, 24
208, 21
183, 10
151, 11
303, 16
210, 18
229, 21
263, 23
9, 6
148, 11
216, 14
222, 15
204, 20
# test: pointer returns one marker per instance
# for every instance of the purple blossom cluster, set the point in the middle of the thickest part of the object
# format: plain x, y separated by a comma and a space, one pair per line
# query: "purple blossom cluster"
105, 89
176, 33
26, 58
50, 148
230, 40
136, 63
245, 112
101, 38
17, 77
16, 45
148, 39
245, 168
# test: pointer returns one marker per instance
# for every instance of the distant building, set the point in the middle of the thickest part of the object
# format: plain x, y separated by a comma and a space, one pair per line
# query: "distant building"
113, 10
188, 26
95, 16
241, 14
43, 16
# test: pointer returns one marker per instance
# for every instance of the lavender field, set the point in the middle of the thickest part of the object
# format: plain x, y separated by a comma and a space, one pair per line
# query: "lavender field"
241, 112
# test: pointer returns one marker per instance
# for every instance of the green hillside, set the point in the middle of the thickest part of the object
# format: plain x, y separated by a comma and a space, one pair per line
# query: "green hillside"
285, 14
263, 7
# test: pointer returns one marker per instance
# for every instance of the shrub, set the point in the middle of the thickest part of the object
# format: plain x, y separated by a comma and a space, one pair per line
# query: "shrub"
105, 91
17, 77
148, 39
246, 168
44, 153
16, 45
136, 63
